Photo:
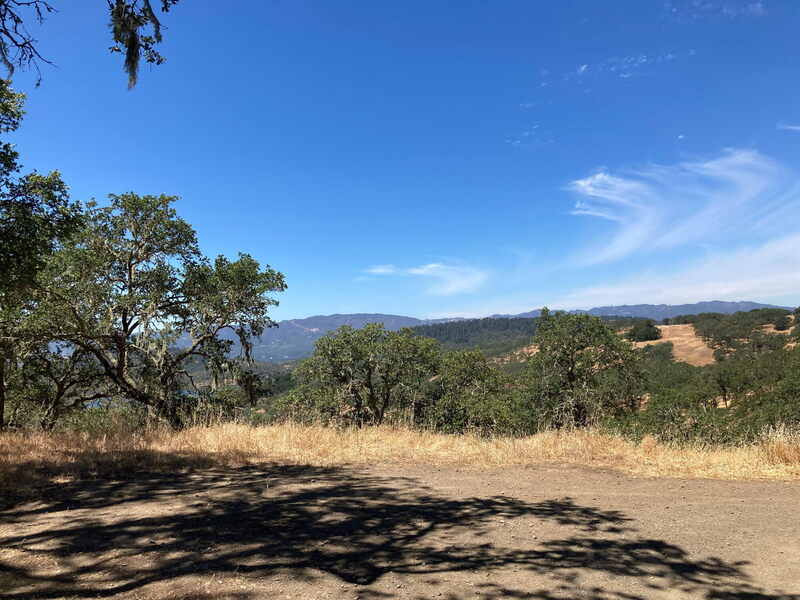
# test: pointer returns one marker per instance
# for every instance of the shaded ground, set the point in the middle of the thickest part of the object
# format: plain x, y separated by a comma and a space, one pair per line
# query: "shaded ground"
403, 532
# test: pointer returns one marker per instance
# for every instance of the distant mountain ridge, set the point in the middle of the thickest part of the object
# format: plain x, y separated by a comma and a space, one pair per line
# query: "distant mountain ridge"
660, 311
663, 311
295, 338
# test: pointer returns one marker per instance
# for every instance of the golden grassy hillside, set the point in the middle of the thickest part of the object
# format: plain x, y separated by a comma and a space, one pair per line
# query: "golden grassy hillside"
688, 346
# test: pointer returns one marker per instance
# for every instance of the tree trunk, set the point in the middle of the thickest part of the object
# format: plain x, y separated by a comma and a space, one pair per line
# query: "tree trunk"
169, 412
2, 390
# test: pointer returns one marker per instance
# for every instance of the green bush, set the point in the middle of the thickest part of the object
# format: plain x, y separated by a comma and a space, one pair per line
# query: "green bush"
676, 417
582, 373
643, 331
771, 406
467, 394
783, 323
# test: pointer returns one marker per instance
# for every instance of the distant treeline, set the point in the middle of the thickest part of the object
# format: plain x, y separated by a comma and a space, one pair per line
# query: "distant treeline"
498, 335
493, 336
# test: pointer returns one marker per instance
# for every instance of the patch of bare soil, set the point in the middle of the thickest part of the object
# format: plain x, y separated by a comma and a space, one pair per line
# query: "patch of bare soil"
515, 356
688, 346
410, 531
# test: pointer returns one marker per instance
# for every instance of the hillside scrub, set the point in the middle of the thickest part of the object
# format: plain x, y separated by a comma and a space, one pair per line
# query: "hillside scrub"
583, 375
728, 333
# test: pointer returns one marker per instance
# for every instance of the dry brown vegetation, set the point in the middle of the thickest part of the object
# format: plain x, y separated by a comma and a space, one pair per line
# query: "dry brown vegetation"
37, 461
688, 346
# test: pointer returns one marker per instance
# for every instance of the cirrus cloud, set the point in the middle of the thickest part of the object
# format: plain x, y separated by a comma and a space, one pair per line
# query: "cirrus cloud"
444, 279
740, 194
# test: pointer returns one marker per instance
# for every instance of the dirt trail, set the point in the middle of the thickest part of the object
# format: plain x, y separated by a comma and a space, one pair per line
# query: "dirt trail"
404, 532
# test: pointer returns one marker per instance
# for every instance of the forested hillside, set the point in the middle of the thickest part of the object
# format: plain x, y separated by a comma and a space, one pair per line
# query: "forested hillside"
294, 338
493, 336
584, 372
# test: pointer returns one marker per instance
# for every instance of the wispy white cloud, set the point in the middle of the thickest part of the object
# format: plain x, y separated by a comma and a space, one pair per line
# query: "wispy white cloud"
747, 9
761, 272
725, 227
782, 127
533, 136
381, 270
449, 280
445, 280
640, 64
697, 10
771, 270
736, 195
624, 67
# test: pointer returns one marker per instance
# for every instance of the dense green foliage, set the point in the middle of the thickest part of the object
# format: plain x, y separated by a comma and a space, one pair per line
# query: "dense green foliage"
467, 394
114, 303
493, 336
356, 376
496, 336
736, 399
643, 331
368, 376
582, 371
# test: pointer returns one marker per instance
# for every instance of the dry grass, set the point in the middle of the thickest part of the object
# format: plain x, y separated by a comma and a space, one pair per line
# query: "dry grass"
30, 462
687, 345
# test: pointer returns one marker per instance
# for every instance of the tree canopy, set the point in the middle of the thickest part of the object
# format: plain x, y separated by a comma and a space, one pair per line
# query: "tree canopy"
358, 375
134, 292
136, 31
582, 370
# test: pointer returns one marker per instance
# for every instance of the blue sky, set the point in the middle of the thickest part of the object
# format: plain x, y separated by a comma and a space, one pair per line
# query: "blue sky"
452, 158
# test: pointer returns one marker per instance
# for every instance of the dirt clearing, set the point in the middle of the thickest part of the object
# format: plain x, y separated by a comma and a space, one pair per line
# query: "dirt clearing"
403, 531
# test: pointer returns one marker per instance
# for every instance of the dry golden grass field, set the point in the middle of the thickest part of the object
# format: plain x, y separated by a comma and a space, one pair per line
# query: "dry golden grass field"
688, 346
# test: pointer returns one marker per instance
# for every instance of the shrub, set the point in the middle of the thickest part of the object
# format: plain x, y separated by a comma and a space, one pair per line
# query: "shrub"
360, 376
782, 323
583, 371
468, 394
643, 331
676, 417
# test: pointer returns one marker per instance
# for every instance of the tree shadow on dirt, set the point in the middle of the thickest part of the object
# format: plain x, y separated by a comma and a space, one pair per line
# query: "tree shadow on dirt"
307, 521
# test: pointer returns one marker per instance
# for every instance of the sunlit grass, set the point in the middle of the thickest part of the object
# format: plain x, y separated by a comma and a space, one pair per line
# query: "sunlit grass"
38, 460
